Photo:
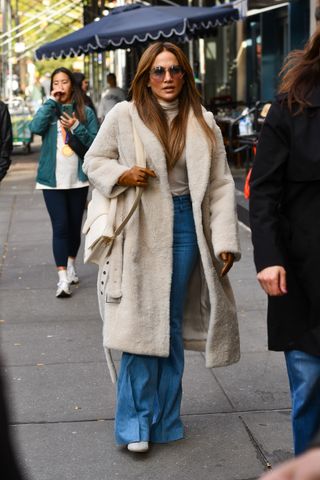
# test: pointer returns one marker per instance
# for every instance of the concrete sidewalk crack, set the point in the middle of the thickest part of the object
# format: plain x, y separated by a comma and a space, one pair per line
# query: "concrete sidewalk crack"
222, 389
263, 459
6, 242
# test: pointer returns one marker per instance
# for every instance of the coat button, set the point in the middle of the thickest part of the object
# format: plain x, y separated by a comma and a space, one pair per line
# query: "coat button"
108, 263
101, 293
102, 283
104, 272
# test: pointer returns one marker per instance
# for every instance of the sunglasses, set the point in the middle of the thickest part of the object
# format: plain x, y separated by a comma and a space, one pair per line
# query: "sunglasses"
159, 73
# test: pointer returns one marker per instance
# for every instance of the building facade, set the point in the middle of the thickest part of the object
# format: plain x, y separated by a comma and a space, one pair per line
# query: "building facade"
240, 61
243, 60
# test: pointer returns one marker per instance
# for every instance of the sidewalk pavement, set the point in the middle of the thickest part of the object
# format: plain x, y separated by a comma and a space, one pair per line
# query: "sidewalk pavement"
237, 418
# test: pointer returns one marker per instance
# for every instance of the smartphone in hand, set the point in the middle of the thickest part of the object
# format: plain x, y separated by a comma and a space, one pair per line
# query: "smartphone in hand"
67, 108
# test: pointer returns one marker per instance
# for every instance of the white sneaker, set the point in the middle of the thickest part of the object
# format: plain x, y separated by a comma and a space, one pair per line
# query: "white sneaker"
138, 447
63, 289
72, 275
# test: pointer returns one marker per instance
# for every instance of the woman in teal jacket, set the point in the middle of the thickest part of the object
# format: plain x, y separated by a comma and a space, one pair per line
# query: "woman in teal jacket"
60, 176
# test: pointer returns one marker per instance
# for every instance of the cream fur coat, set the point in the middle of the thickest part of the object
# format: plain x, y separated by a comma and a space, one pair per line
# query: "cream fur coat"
134, 283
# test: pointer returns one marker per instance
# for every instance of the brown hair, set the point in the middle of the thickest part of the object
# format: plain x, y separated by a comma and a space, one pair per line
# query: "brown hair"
301, 73
77, 96
173, 140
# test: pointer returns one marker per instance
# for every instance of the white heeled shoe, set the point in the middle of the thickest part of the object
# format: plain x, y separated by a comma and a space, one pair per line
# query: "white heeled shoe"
138, 447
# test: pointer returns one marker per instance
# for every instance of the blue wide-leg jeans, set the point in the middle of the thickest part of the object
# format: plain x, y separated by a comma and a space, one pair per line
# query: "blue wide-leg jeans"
304, 379
149, 388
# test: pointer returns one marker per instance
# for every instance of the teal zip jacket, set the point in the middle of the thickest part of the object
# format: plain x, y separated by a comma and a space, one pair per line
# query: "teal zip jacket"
44, 123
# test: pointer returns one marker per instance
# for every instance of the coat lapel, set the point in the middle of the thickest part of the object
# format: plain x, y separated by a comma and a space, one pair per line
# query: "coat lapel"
153, 148
314, 97
198, 153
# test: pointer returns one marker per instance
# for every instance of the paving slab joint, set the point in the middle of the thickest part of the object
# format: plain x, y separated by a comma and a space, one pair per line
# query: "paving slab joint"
6, 242
261, 456
221, 387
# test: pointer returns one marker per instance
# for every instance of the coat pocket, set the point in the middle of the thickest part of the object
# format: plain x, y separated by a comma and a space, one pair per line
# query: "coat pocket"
110, 276
99, 227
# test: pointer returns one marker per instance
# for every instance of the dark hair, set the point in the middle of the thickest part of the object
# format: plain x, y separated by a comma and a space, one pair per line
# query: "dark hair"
301, 73
112, 79
173, 139
78, 78
77, 96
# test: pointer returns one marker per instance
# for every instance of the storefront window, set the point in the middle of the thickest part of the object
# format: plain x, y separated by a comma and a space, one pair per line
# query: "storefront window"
254, 60
220, 51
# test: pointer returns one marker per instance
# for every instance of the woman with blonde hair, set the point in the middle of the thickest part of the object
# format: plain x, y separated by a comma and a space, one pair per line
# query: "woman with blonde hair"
164, 286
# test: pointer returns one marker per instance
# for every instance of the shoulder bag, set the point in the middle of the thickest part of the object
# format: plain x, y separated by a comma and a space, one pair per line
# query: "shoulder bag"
77, 146
99, 228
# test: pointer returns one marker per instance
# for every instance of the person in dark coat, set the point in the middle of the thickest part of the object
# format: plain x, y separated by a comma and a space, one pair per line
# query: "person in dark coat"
5, 139
284, 216
83, 84
8, 458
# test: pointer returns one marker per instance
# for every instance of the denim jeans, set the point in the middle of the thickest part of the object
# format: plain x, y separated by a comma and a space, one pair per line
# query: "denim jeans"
304, 379
149, 388
66, 209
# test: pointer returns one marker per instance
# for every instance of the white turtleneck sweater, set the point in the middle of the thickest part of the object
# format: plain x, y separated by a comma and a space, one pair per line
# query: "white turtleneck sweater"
178, 176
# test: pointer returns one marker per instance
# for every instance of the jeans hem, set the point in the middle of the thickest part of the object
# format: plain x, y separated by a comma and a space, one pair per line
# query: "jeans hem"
167, 439
121, 443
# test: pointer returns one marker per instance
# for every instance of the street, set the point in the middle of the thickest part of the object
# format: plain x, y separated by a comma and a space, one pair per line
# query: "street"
61, 398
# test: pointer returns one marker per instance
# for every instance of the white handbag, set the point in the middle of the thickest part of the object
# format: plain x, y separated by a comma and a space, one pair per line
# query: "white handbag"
99, 228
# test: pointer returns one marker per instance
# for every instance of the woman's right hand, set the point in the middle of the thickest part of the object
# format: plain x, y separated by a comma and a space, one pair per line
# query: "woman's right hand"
273, 281
136, 177
56, 94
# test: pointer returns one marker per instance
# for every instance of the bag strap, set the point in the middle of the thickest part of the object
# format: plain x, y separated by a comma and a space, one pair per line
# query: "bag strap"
141, 162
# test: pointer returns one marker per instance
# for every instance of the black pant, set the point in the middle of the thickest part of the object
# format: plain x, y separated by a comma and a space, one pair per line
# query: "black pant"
66, 209
8, 463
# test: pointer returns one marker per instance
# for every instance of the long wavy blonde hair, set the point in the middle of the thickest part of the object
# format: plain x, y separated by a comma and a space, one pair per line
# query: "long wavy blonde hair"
173, 139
